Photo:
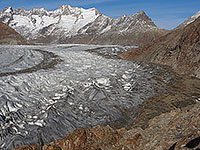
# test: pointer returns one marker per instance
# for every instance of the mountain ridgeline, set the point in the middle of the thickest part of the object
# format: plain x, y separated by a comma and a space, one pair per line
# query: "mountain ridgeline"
77, 25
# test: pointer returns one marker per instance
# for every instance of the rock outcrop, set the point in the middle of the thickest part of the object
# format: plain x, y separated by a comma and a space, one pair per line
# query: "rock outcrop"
10, 36
179, 49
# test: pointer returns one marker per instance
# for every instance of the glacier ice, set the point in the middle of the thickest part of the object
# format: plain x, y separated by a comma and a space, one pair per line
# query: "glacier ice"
82, 90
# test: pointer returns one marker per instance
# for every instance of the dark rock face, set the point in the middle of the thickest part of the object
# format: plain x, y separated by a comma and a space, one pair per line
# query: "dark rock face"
10, 36
179, 49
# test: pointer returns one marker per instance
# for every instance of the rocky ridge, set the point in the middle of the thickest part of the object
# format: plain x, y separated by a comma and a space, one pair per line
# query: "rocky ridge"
189, 20
10, 36
77, 25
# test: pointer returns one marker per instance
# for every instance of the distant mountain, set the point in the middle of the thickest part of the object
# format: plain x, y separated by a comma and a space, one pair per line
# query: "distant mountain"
10, 36
179, 49
77, 25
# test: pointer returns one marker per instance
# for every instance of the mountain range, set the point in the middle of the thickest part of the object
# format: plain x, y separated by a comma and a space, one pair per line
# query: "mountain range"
77, 25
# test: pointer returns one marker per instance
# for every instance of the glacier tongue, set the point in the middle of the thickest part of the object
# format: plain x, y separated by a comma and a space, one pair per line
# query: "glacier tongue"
81, 91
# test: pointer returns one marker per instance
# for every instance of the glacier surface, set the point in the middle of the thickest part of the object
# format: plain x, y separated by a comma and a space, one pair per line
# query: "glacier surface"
83, 90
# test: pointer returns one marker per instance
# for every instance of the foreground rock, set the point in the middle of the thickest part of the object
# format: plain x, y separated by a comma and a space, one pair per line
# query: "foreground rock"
171, 116
179, 49
10, 36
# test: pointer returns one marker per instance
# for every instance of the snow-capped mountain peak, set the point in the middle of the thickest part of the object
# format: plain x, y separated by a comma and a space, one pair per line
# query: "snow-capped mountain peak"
67, 10
8, 10
65, 20
38, 11
39, 24
141, 12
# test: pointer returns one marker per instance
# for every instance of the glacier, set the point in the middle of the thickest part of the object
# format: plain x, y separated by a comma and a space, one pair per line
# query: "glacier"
83, 89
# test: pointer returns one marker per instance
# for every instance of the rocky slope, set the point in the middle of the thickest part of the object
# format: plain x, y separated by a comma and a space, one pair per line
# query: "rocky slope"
10, 36
172, 116
179, 49
77, 25
189, 20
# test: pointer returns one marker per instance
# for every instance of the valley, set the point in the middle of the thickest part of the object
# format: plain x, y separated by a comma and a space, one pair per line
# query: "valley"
82, 90
75, 79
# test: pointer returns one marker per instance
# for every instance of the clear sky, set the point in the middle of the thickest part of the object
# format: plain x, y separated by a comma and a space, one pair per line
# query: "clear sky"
165, 13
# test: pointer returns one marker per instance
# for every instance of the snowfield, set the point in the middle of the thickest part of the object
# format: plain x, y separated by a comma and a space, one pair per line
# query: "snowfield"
82, 90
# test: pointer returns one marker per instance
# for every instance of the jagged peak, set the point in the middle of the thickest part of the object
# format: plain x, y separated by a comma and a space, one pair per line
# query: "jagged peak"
8, 9
141, 12
123, 16
40, 9
21, 11
143, 16
96, 11
66, 9
69, 10
63, 7
133, 15
37, 10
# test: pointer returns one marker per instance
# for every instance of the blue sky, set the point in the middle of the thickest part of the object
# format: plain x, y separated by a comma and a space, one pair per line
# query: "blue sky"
165, 13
